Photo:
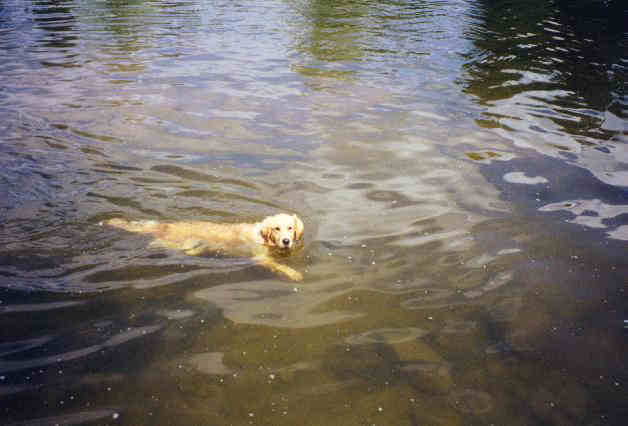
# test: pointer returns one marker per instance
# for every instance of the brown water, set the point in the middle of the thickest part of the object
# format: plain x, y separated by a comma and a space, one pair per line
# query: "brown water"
461, 168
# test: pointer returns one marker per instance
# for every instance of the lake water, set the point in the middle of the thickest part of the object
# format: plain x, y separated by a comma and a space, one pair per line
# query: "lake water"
461, 168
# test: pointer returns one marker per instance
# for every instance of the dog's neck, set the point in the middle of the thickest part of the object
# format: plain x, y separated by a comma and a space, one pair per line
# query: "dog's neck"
257, 234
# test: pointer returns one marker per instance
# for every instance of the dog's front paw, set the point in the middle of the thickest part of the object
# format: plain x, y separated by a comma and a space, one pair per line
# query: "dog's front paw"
294, 275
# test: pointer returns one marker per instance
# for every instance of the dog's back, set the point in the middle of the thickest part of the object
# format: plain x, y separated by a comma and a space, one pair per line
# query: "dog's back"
230, 238
139, 226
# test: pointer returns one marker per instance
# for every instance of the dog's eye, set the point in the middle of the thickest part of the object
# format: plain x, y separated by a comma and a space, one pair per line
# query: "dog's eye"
277, 229
289, 228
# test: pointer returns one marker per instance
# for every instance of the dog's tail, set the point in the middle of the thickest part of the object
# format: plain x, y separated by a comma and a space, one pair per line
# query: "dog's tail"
140, 226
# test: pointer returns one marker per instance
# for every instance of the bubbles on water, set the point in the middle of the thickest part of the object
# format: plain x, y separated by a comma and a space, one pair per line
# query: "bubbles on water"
471, 401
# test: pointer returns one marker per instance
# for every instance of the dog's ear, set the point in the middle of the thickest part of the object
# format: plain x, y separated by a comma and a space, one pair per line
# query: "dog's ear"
298, 228
265, 232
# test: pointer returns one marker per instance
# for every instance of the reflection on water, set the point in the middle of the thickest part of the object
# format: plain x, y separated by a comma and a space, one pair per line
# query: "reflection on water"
594, 214
460, 167
555, 83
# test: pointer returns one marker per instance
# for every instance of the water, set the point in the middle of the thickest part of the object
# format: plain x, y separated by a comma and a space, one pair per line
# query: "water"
461, 168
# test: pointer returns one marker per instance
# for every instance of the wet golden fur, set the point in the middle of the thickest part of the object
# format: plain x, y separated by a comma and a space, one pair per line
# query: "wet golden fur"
261, 241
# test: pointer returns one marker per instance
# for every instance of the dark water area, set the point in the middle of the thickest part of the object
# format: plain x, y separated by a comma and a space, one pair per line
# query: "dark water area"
461, 168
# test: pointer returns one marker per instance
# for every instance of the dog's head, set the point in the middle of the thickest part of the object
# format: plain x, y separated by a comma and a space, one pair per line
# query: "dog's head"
281, 230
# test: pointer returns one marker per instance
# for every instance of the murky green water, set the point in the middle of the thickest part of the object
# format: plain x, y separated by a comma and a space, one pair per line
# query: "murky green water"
461, 168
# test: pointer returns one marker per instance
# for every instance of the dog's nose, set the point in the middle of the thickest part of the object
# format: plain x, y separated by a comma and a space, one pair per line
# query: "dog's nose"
286, 242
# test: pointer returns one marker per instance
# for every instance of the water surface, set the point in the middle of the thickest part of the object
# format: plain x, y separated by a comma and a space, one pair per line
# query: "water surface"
461, 168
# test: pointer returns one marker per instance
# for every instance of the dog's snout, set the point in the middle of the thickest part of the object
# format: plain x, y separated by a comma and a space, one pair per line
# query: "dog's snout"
286, 241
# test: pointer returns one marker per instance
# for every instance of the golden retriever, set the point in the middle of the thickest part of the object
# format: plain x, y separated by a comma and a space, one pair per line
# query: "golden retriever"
274, 236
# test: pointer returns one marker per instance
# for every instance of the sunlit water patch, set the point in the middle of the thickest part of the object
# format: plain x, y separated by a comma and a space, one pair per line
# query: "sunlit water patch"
460, 168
